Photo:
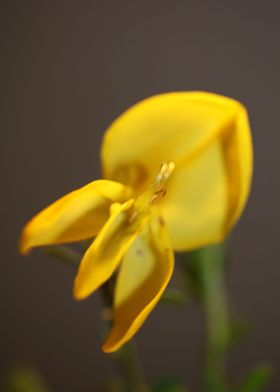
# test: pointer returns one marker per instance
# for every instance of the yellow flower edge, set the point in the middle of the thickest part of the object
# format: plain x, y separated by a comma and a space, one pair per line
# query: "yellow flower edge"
177, 173
208, 137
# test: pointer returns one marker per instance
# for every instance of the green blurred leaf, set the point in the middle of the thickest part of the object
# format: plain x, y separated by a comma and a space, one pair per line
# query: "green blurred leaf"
239, 331
113, 386
23, 379
170, 384
256, 380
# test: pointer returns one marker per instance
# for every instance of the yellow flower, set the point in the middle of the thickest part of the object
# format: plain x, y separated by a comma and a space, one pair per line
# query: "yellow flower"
177, 171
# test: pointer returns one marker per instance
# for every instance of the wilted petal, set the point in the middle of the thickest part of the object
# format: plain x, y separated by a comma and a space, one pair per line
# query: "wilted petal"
144, 274
77, 216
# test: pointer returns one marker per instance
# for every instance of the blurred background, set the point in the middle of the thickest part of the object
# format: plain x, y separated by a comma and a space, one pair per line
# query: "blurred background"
68, 68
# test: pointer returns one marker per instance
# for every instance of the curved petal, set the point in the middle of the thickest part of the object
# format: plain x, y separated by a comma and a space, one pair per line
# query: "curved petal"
238, 156
103, 256
207, 195
208, 138
195, 205
163, 128
145, 272
76, 216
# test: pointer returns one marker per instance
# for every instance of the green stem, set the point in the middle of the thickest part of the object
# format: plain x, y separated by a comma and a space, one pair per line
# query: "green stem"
217, 322
129, 368
205, 278
217, 319
65, 254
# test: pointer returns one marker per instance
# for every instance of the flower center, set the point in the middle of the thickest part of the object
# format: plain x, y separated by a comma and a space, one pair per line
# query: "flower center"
157, 190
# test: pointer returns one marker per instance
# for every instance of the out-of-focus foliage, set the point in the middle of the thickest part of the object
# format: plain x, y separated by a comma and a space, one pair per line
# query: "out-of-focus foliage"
205, 276
170, 384
23, 379
256, 380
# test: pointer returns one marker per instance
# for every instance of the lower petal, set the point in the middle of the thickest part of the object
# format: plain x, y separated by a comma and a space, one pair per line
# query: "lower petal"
144, 274
104, 255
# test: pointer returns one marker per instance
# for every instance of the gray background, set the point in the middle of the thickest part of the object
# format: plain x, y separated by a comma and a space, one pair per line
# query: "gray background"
68, 68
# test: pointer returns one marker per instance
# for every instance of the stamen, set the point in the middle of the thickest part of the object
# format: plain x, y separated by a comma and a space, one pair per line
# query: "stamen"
157, 189
166, 170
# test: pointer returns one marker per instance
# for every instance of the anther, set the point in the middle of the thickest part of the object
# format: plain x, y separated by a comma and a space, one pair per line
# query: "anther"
165, 172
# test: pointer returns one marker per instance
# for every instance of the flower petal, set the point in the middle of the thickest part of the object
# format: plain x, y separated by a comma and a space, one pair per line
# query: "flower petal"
77, 216
238, 155
163, 128
144, 274
208, 138
103, 256
210, 192
195, 205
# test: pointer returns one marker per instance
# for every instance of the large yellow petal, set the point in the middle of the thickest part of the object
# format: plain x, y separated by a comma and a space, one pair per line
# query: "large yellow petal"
76, 216
238, 155
103, 256
208, 138
195, 205
207, 195
144, 274
163, 128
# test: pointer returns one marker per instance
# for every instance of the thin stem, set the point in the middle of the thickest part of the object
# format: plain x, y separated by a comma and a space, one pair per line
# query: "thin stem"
217, 320
126, 357
129, 368
65, 254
